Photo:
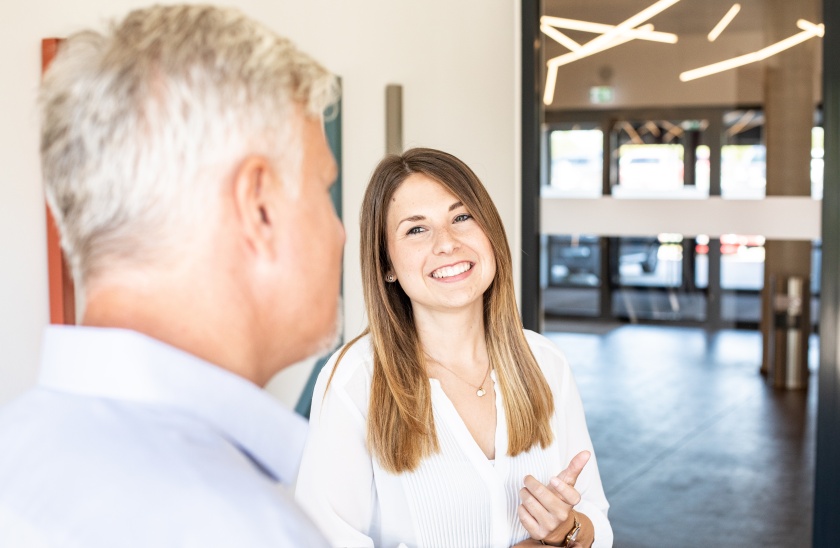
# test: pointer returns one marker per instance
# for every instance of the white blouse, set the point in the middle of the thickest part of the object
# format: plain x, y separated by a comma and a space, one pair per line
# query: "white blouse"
456, 497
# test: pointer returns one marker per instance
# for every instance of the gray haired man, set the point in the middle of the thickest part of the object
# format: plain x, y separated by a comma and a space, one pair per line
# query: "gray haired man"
185, 162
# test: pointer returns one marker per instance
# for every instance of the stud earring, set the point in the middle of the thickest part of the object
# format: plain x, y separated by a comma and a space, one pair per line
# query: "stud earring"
391, 278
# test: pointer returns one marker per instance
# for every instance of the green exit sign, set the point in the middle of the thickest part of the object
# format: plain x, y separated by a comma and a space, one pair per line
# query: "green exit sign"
601, 94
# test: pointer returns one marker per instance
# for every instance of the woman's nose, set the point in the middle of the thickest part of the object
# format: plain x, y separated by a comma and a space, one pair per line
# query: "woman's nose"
445, 242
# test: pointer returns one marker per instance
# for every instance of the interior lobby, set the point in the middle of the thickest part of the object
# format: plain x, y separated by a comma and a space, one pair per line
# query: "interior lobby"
668, 175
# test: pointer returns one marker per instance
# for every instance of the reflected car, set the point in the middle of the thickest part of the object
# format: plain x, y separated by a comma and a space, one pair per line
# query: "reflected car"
642, 251
576, 260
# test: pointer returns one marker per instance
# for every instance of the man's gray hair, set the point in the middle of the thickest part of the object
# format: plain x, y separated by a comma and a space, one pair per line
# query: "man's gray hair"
143, 124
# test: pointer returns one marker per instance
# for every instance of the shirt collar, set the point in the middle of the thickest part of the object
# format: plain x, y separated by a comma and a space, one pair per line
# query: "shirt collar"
126, 365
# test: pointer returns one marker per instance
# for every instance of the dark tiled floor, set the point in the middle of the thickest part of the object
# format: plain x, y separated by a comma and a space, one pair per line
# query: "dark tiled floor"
695, 448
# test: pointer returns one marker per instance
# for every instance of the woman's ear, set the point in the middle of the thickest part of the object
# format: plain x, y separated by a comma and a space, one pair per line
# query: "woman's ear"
255, 195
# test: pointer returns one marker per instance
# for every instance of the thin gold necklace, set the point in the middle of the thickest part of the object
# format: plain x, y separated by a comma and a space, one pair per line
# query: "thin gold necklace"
479, 390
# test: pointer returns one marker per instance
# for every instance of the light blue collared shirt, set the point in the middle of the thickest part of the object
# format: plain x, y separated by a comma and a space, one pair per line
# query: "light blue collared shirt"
129, 442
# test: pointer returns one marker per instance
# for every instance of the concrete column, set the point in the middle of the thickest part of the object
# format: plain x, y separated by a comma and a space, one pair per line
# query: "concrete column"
789, 104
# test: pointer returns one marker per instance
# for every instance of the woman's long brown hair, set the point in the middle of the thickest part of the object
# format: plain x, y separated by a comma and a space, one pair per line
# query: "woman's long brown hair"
400, 428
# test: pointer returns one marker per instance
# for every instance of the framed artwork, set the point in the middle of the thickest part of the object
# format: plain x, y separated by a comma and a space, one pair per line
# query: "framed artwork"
62, 292
332, 127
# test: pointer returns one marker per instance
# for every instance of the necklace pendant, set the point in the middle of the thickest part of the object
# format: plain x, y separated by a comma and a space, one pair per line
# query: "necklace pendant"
480, 392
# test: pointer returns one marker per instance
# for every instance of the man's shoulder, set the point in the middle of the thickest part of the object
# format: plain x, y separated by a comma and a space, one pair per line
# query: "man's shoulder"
71, 457
91, 431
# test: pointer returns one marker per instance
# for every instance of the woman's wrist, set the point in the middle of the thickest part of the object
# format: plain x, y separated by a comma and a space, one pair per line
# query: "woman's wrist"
567, 538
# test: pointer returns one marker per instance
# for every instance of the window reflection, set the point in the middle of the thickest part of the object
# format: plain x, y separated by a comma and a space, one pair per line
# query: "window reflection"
662, 277
743, 171
652, 155
743, 158
650, 168
576, 163
817, 162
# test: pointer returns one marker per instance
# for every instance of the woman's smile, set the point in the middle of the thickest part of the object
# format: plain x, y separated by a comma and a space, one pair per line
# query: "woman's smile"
453, 272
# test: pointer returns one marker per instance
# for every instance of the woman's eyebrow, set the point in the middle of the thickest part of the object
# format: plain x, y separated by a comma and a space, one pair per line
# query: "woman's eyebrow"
413, 219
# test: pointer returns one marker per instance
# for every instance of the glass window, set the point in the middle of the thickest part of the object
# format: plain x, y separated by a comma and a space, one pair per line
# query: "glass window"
650, 261
702, 169
650, 168
701, 261
743, 170
573, 277
574, 261
817, 162
741, 278
576, 162
652, 157
741, 262
653, 280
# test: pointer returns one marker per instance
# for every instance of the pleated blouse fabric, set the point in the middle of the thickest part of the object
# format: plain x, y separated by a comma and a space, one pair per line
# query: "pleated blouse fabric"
456, 497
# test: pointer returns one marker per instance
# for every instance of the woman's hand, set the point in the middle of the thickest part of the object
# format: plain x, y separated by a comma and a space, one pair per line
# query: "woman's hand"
546, 511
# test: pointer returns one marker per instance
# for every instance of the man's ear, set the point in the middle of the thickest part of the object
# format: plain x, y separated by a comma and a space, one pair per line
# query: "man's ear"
255, 195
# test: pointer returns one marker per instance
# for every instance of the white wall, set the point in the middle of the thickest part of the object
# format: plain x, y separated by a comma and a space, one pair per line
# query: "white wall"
458, 63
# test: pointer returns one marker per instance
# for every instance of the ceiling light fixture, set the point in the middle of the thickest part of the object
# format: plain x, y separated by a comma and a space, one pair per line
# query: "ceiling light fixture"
599, 28
559, 37
609, 39
556, 62
723, 23
741, 124
818, 30
628, 128
651, 127
673, 131
811, 31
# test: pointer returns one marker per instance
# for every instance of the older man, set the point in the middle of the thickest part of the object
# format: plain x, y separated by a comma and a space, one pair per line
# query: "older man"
185, 162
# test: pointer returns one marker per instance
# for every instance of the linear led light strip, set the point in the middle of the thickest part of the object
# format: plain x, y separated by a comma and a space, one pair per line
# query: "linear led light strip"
600, 28
809, 31
674, 131
611, 38
635, 138
559, 37
723, 23
742, 123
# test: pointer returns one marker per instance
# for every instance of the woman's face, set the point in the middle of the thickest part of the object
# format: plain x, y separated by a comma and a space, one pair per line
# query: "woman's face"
439, 254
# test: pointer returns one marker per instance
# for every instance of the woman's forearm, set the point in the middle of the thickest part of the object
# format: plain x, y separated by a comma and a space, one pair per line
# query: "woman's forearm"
585, 537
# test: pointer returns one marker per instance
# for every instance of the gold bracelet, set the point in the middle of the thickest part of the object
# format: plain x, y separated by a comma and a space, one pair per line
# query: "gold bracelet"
571, 536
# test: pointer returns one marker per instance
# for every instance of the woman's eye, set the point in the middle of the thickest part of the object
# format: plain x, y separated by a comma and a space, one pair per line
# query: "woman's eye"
463, 217
415, 230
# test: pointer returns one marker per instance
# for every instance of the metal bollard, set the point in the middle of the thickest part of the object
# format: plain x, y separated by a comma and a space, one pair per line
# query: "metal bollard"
791, 329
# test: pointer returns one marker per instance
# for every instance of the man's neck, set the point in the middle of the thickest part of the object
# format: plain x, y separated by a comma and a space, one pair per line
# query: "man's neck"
177, 319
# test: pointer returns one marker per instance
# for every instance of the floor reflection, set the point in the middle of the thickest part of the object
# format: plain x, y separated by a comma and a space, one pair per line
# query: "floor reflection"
694, 447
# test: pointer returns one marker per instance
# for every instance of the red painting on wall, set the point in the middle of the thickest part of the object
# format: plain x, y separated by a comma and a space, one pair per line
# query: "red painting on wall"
62, 292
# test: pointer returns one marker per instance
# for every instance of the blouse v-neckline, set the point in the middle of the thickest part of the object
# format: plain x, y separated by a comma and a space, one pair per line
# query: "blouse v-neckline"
494, 472
468, 444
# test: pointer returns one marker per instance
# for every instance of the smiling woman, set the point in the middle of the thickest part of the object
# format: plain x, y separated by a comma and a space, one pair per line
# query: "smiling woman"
445, 423
439, 253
